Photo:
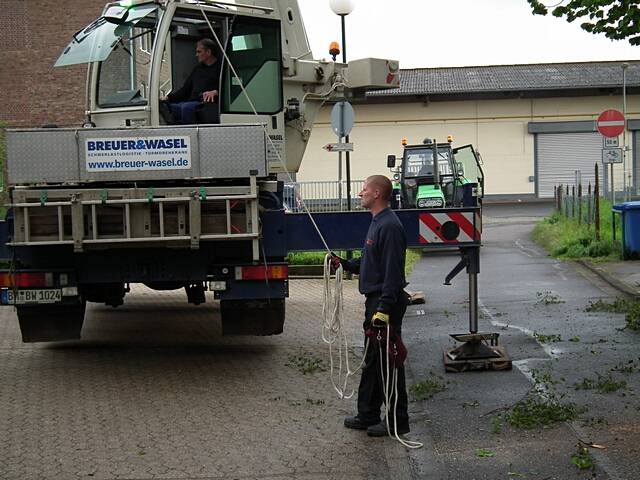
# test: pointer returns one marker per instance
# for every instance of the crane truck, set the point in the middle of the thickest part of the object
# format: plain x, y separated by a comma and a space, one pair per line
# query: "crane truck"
129, 198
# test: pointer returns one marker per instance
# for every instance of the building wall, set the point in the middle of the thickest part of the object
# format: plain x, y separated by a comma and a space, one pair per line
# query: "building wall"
33, 33
497, 128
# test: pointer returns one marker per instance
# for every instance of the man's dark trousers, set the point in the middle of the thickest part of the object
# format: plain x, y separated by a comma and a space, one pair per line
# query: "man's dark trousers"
184, 113
371, 389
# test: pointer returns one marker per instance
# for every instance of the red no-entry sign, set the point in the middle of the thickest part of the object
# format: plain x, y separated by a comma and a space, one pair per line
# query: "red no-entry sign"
610, 123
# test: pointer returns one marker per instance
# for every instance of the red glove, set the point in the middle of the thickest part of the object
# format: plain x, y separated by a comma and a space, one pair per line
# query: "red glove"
336, 261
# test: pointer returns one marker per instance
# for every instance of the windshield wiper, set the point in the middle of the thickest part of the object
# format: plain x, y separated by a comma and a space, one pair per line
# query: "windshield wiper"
94, 26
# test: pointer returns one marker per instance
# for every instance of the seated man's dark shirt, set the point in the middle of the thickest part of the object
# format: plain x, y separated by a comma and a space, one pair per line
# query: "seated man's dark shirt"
203, 78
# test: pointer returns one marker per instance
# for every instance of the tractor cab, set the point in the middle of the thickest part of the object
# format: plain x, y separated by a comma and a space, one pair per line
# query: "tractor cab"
469, 174
435, 175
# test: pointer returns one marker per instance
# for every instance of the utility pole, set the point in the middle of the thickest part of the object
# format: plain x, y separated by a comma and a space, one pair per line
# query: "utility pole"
625, 166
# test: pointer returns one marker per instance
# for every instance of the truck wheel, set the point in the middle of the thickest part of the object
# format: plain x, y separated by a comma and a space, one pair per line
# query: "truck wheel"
252, 317
50, 323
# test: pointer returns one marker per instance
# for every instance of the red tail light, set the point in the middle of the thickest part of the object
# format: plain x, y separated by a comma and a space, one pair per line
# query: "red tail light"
26, 279
262, 272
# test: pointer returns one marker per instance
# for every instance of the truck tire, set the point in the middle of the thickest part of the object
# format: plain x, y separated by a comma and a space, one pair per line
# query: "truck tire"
252, 317
50, 323
111, 294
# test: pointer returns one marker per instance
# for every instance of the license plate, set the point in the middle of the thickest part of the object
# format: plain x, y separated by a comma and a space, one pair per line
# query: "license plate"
51, 295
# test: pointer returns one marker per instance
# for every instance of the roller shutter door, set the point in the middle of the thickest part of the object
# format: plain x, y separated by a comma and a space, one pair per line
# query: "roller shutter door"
559, 155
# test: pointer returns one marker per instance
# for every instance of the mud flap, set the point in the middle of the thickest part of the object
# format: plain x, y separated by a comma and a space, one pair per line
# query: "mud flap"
51, 323
252, 317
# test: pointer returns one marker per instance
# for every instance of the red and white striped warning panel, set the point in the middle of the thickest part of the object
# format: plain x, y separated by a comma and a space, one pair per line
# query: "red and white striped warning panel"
450, 227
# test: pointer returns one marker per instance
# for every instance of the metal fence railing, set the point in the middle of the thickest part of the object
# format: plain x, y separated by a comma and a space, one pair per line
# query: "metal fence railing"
580, 203
321, 196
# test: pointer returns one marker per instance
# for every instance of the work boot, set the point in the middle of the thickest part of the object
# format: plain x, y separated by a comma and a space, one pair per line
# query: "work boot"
358, 423
380, 430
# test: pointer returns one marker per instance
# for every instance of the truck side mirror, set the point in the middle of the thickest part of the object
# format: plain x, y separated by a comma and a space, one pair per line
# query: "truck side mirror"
391, 161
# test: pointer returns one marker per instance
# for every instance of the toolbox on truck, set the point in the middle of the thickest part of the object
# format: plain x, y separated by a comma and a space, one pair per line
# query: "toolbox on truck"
85, 155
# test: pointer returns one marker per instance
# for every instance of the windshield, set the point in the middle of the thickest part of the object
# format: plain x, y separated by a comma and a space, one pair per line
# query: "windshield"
419, 163
123, 77
95, 42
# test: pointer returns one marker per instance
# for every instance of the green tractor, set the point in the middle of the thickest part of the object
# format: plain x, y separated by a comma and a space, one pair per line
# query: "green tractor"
435, 175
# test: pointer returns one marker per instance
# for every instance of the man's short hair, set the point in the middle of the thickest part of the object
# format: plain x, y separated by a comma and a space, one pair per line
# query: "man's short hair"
208, 44
383, 184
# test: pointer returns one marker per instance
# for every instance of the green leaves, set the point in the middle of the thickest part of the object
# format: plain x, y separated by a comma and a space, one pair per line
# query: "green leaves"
583, 459
427, 388
484, 453
533, 413
538, 8
306, 364
617, 19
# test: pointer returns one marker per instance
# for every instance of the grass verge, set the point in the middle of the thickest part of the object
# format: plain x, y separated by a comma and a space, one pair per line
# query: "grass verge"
317, 258
564, 238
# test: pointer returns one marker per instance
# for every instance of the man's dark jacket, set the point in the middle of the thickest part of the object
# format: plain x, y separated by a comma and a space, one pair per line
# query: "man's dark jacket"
202, 78
381, 266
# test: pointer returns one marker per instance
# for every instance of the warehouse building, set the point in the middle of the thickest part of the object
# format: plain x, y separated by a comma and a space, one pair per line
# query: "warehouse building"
533, 124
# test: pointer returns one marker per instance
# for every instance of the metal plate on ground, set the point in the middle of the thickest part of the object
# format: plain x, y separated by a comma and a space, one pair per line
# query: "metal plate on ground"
501, 362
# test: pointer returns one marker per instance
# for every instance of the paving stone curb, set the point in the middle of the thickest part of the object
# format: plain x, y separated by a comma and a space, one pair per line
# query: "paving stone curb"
610, 279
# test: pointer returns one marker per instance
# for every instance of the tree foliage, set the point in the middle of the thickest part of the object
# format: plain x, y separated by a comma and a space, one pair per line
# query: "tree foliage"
617, 19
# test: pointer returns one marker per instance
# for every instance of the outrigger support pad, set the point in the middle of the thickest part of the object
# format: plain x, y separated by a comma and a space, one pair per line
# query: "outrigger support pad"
479, 351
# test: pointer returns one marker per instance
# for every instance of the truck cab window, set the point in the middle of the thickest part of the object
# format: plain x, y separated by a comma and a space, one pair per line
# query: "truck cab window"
122, 76
254, 52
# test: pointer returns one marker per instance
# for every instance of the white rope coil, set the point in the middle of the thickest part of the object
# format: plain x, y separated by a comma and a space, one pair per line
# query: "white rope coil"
387, 395
333, 332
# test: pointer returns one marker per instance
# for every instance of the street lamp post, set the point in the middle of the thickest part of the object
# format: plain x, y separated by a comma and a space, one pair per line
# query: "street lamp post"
344, 8
625, 165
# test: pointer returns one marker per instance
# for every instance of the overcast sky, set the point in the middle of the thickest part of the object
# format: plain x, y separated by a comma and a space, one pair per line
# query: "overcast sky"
443, 33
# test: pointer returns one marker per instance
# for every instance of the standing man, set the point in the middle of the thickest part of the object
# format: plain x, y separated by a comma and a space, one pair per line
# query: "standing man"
201, 86
382, 281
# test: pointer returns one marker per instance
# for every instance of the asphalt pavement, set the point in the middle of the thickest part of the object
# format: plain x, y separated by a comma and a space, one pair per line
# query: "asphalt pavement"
624, 276
560, 350
154, 391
